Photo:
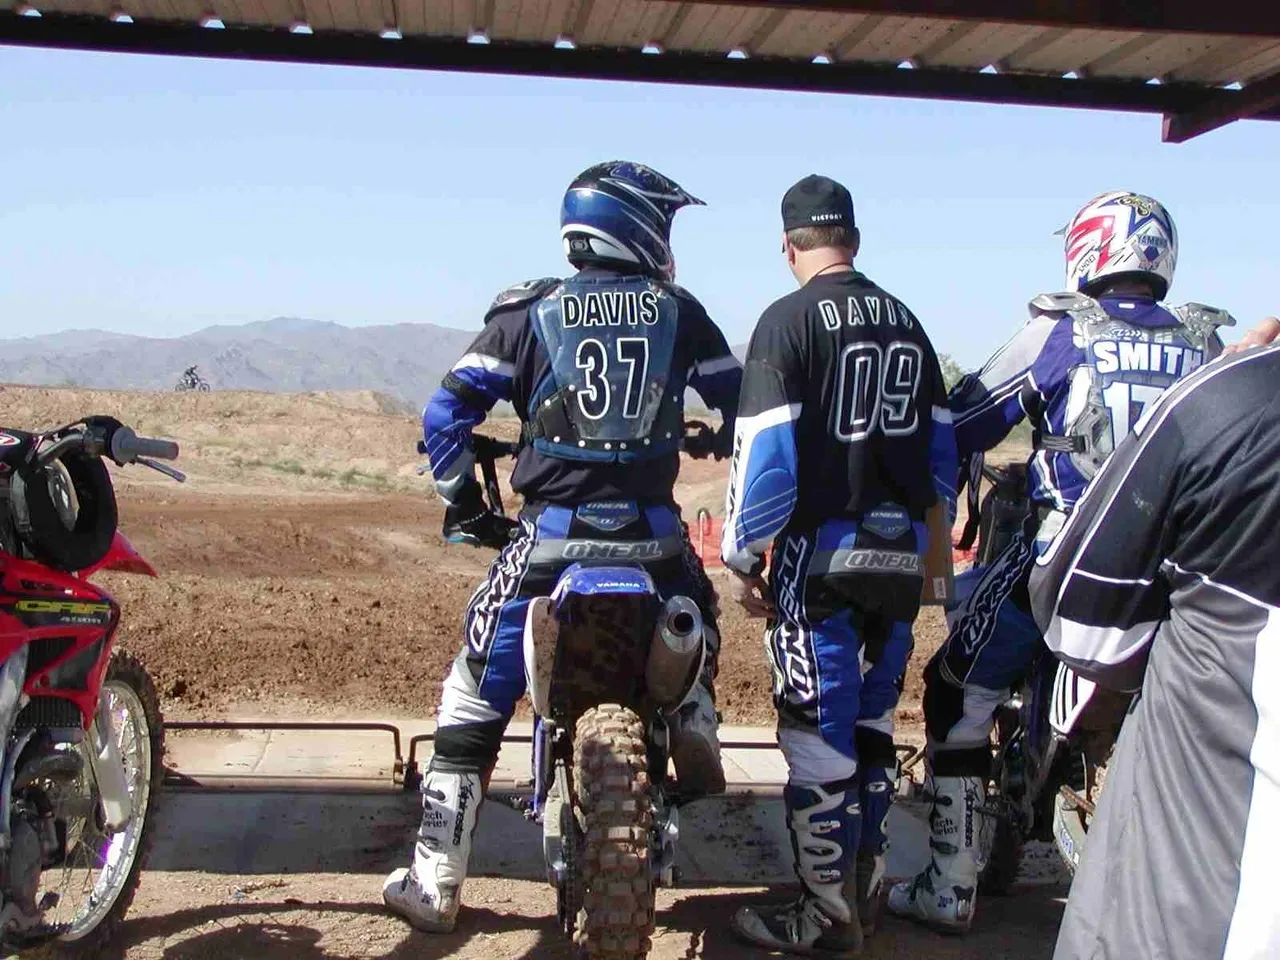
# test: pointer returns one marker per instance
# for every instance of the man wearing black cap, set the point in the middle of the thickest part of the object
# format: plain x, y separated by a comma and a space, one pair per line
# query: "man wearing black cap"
843, 443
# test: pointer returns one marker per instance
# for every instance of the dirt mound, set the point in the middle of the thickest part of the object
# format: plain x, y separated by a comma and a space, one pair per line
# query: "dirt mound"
302, 568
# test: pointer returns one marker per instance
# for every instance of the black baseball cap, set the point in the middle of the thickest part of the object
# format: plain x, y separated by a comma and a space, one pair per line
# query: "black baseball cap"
817, 201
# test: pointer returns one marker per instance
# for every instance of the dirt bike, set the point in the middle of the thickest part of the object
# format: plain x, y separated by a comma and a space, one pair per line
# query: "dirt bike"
606, 659
80, 724
192, 381
1051, 752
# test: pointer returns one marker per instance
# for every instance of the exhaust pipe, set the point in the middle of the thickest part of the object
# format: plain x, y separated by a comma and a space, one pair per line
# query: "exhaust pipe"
675, 652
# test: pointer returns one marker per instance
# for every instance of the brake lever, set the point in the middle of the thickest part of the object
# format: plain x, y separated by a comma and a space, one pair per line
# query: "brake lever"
164, 468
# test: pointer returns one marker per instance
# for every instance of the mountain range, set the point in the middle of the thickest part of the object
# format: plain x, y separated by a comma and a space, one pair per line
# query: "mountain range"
404, 361
287, 354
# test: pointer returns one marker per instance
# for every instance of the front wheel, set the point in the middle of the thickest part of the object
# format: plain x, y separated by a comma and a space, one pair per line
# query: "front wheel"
99, 875
612, 785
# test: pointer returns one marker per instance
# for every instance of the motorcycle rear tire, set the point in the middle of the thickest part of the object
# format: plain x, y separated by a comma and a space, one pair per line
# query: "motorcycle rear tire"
1003, 861
612, 784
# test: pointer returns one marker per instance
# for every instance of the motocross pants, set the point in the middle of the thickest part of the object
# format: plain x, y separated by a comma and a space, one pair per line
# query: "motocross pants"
487, 679
992, 641
839, 648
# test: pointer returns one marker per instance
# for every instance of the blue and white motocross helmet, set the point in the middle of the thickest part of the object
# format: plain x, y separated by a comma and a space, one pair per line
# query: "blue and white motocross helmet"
620, 213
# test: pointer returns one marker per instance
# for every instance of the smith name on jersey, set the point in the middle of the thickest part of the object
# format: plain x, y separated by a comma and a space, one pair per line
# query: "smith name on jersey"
1082, 371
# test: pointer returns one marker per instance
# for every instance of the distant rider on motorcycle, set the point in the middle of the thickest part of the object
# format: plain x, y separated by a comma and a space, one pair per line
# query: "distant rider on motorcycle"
1081, 370
615, 344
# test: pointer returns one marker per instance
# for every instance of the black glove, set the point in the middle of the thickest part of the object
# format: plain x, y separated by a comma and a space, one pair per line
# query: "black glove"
103, 429
469, 520
722, 445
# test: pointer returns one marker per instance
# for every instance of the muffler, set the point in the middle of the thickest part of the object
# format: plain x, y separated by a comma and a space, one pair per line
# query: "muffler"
675, 653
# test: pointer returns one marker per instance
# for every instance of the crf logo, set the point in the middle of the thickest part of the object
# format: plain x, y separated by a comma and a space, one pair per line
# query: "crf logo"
61, 606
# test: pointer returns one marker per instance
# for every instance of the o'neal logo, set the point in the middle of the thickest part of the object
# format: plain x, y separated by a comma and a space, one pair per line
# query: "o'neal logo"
609, 550
71, 607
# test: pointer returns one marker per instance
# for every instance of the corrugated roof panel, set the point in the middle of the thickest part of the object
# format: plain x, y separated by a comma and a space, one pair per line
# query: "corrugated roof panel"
100, 7
377, 15
629, 25
656, 23
986, 43
1222, 60
266, 12
724, 30
517, 20
691, 26
241, 11
350, 15
538, 20
152, 9
447, 18
895, 39
1068, 50
1258, 67
805, 37
318, 14
1146, 56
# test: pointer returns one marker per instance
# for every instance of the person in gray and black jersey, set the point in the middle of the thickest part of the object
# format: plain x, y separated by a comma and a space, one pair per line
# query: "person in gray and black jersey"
1165, 582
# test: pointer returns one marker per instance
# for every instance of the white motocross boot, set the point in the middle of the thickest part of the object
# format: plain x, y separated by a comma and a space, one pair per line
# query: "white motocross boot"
695, 746
428, 893
944, 894
825, 823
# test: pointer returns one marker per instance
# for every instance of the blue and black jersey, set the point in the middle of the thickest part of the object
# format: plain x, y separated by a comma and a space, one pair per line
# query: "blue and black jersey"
843, 413
596, 367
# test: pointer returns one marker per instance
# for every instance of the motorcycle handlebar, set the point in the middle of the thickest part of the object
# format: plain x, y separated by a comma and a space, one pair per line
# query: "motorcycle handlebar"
127, 447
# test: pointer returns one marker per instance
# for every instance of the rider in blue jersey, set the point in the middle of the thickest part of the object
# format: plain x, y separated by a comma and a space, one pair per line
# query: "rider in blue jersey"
596, 367
1081, 371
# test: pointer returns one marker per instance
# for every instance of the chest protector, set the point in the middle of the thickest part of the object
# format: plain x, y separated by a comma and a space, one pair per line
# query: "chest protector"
1127, 367
612, 393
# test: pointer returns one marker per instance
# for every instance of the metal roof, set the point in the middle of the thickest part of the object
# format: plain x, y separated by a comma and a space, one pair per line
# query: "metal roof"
1214, 63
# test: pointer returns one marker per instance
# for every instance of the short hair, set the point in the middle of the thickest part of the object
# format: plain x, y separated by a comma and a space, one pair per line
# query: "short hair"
815, 238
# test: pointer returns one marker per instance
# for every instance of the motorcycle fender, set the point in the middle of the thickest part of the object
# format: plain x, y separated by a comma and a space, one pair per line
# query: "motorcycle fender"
541, 635
108, 770
1068, 834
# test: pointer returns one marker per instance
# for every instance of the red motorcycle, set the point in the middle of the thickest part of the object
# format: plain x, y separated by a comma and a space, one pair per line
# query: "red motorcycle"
80, 725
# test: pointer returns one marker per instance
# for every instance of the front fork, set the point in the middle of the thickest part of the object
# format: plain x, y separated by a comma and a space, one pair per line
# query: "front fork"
108, 768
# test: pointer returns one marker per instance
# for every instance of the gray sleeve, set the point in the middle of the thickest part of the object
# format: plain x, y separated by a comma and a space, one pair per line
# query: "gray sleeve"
1097, 592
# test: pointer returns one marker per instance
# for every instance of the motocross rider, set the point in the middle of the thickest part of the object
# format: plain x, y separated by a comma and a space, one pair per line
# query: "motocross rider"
570, 355
1081, 369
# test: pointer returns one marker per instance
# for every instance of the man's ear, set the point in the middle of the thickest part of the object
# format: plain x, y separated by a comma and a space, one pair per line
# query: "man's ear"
857, 240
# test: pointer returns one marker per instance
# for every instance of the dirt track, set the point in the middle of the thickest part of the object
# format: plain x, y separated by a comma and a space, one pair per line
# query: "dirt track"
303, 573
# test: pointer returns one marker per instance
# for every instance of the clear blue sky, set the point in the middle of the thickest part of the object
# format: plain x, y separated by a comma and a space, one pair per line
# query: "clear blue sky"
158, 195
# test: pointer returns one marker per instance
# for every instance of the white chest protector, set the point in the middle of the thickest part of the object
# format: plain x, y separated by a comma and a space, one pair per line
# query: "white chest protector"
1126, 368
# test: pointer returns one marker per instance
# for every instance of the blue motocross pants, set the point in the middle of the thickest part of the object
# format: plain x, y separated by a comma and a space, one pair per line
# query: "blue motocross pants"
487, 678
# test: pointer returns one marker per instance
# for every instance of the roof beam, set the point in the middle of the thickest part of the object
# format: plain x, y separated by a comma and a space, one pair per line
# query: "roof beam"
698, 69
1247, 18
1225, 106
